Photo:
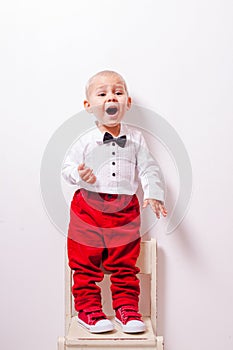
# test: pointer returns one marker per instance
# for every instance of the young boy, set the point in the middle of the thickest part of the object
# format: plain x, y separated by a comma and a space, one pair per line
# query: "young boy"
105, 164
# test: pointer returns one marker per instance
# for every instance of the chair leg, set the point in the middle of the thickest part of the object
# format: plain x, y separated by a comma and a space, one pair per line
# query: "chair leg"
160, 343
61, 343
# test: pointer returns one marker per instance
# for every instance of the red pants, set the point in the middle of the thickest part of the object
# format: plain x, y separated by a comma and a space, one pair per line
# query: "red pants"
104, 230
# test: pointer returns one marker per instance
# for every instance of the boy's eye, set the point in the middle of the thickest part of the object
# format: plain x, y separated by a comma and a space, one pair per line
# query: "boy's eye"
119, 93
102, 94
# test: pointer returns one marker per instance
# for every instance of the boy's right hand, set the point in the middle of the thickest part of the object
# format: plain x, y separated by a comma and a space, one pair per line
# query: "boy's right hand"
86, 174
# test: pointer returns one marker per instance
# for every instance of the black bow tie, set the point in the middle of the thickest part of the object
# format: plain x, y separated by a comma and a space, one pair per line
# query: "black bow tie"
121, 141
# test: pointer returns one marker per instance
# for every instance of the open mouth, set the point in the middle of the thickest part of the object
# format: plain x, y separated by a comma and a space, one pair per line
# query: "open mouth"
111, 110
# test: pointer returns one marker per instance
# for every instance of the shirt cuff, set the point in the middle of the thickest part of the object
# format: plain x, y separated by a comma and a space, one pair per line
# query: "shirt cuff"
159, 196
74, 176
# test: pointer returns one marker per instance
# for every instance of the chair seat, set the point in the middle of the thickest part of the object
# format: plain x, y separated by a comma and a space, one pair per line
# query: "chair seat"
78, 337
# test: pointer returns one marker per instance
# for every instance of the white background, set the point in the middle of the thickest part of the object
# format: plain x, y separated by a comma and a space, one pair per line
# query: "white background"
177, 59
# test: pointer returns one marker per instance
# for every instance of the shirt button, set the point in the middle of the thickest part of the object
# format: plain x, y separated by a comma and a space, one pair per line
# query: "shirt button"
113, 174
113, 153
113, 163
113, 143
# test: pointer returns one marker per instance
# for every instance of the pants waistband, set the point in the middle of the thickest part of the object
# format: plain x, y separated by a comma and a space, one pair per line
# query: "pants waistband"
105, 196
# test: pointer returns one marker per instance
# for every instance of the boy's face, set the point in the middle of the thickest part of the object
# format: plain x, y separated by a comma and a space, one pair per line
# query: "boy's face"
107, 99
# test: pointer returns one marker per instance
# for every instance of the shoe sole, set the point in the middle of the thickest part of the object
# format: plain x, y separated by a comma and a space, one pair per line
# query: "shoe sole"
96, 329
131, 329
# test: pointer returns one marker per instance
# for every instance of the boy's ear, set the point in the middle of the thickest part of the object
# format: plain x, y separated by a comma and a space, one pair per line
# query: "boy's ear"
129, 102
87, 106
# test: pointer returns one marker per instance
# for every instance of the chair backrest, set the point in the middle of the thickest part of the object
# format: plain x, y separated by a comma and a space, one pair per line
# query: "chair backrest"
147, 301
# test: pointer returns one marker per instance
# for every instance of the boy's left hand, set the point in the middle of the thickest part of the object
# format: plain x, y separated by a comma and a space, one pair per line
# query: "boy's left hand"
157, 207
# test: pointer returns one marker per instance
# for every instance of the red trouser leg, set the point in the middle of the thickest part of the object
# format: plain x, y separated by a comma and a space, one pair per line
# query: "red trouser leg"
85, 262
121, 262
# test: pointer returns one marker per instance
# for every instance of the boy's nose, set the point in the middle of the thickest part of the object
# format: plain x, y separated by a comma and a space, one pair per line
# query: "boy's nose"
111, 98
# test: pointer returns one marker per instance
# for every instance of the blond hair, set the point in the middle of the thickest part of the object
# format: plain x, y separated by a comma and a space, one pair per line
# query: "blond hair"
104, 73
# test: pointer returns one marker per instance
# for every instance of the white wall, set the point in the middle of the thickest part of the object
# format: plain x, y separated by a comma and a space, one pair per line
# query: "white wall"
177, 59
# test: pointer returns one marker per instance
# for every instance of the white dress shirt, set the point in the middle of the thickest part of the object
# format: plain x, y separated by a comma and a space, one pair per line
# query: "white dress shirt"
117, 169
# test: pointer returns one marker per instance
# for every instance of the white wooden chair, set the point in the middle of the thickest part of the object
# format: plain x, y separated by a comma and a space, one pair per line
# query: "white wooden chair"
77, 338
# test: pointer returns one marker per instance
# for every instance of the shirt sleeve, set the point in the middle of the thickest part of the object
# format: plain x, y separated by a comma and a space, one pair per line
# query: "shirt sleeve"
149, 172
73, 158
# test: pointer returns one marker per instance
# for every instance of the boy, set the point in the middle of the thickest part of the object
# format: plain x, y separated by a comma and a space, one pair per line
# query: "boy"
106, 163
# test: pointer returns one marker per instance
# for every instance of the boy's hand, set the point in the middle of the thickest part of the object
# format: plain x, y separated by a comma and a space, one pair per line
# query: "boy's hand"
157, 207
86, 174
